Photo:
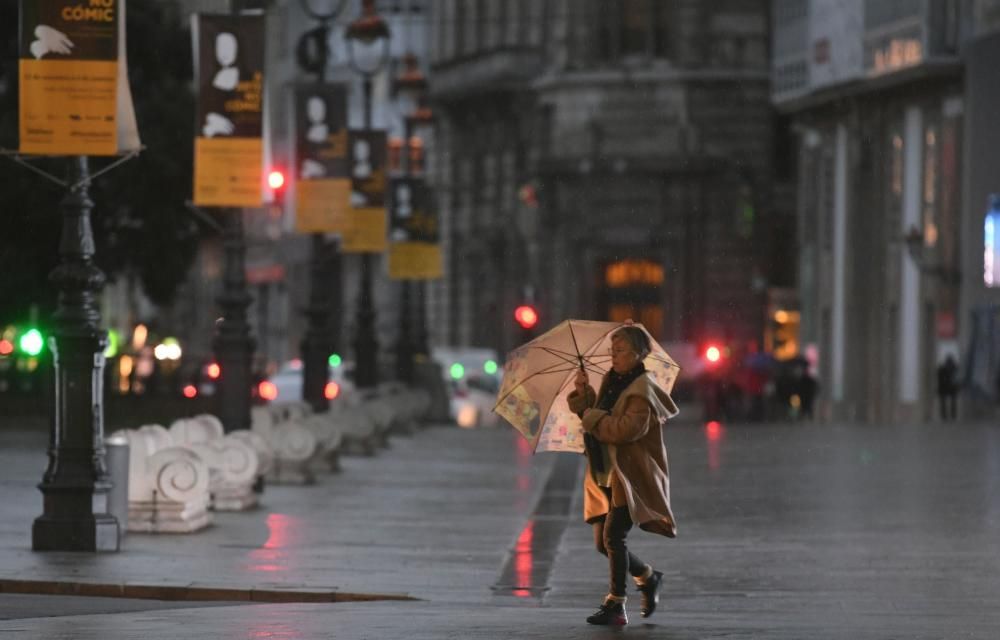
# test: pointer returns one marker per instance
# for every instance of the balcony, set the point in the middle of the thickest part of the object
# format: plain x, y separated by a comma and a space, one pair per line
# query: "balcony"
496, 71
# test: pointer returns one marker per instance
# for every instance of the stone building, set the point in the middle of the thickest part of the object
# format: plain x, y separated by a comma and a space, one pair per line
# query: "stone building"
892, 104
607, 159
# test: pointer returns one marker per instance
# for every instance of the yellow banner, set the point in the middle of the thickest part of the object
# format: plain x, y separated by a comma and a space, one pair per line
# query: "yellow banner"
322, 206
227, 172
365, 232
415, 261
68, 107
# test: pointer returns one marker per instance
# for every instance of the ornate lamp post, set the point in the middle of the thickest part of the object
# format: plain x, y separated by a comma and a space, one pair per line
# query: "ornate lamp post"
233, 345
313, 53
372, 34
75, 485
410, 83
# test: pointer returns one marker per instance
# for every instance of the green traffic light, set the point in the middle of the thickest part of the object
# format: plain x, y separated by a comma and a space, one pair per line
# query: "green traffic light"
490, 367
457, 371
114, 340
31, 343
335, 360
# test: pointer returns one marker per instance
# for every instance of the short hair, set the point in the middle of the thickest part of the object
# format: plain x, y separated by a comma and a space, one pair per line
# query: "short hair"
636, 339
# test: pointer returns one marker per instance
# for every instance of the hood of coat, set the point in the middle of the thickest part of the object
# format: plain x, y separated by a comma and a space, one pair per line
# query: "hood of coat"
645, 387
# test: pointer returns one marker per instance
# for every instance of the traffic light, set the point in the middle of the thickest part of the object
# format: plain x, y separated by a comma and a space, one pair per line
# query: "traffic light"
31, 342
277, 182
526, 316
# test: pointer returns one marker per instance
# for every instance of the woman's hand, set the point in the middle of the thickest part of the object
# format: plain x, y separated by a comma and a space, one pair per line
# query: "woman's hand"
581, 381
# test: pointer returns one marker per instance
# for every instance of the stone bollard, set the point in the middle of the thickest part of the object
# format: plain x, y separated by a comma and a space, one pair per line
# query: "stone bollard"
293, 445
232, 462
117, 458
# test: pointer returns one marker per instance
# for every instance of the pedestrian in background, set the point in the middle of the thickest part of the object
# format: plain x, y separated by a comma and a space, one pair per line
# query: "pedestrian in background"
627, 477
947, 375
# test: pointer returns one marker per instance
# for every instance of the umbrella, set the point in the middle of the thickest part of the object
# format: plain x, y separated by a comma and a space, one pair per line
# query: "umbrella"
538, 377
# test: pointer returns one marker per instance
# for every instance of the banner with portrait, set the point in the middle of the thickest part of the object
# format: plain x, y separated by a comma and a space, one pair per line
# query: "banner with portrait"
229, 75
74, 96
414, 236
365, 231
323, 188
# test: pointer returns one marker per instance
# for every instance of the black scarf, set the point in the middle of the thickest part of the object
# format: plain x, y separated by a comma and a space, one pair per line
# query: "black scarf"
614, 384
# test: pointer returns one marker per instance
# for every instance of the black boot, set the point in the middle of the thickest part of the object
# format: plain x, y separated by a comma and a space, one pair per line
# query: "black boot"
610, 612
650, 591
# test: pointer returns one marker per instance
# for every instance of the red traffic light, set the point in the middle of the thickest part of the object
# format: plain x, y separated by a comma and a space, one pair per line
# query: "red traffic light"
526, 316
713, 354
214, 371
275, 179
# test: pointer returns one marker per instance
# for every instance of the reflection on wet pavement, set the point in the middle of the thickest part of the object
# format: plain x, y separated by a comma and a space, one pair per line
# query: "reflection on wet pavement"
525, 573
272, 556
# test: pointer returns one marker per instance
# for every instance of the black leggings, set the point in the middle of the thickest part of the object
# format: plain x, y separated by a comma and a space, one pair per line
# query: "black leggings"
609, 538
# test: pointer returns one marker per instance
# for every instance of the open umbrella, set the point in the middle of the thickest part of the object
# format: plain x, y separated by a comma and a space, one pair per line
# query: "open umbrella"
538, 376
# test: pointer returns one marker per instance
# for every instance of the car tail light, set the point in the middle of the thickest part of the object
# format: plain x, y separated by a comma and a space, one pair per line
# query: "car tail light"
331, 391
267, 390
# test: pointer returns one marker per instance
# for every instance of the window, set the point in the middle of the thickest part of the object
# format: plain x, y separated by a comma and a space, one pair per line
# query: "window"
630, 273
629, 28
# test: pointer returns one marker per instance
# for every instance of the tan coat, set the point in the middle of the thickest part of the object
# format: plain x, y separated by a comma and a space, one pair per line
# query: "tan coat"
633, 434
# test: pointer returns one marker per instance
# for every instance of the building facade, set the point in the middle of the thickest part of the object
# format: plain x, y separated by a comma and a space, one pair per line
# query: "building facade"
606, 159
891, 192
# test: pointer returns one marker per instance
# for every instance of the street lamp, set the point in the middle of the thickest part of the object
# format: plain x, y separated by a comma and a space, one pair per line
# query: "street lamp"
313, 54
368, 51
410, 83
232, 343
76, 483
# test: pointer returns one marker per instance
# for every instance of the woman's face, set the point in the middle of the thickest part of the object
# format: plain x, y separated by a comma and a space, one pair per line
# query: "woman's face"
623, 358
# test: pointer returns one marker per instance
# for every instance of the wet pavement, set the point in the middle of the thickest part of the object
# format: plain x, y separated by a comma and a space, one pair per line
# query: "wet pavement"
785, 531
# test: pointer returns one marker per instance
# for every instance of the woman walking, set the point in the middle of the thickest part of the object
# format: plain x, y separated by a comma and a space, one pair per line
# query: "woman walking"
627, 479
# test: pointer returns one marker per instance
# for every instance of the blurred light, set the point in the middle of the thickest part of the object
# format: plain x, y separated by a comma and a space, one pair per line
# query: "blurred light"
781, 316
267, 390
6, 347
713, 354
276, 179
214, 371
32, 364
457, 371
139, 336
190, 391
331, 391
125, 364
466, 417
31, 343
169, 349
295, 364
526, 316
490, 367
713, 430
114, 341
335, 360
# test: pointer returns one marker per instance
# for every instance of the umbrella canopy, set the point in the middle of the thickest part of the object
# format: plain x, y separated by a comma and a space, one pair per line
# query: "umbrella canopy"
538, 377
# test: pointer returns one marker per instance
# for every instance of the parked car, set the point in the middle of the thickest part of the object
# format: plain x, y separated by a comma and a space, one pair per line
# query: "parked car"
285, 385
473, 376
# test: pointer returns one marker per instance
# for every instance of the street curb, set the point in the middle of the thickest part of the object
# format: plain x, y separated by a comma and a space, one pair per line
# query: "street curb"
191, 593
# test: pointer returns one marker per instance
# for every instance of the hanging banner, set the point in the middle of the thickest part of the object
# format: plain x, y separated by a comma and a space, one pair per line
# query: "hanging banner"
414, 237
365, 231
229, 74
74, 92
323, 189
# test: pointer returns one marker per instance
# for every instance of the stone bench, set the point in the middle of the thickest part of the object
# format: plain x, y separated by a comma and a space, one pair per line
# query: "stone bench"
168, 489
232, 462
293, 444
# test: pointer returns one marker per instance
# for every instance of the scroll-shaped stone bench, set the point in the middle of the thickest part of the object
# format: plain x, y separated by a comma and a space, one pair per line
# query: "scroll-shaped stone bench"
358, 430
293, 445
232, 462
168, 485
265, 454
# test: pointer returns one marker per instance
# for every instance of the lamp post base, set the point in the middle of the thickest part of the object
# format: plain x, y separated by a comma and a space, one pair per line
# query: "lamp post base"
76, 532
